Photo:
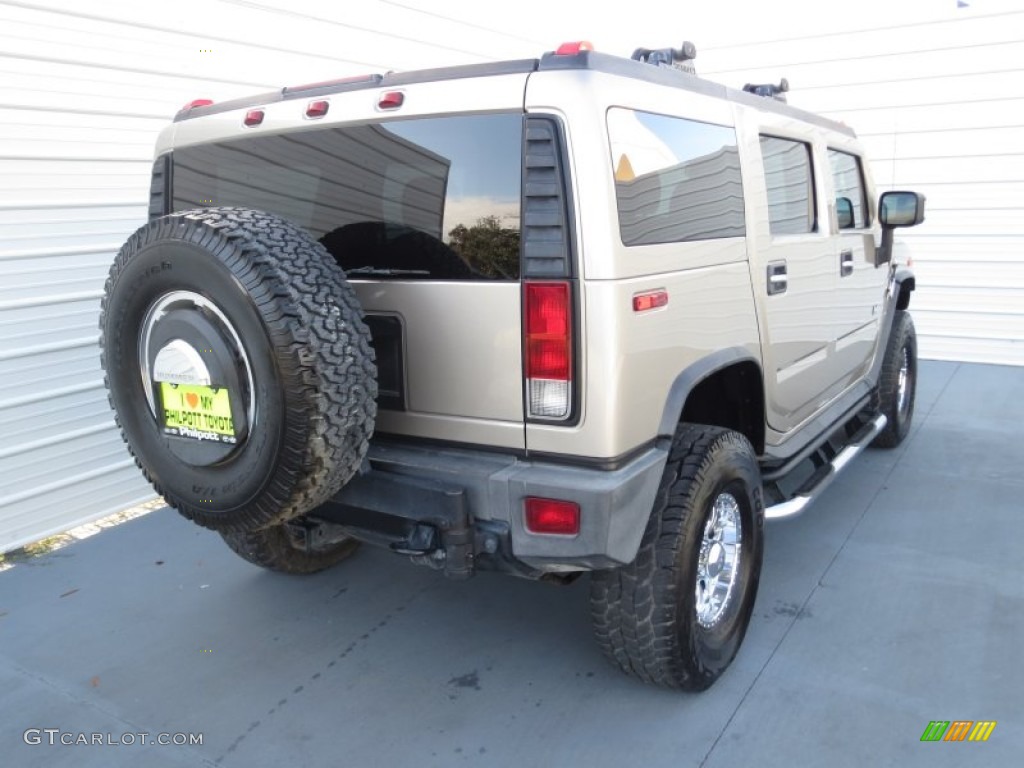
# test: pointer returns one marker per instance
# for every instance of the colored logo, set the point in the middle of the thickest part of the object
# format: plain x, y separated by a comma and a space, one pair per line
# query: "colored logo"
958, 730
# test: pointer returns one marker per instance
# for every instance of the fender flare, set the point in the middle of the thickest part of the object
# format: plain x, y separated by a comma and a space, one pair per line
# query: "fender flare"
693, 375
905, 283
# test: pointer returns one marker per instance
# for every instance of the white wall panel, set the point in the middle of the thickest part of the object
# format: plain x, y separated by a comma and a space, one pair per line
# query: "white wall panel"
84, 89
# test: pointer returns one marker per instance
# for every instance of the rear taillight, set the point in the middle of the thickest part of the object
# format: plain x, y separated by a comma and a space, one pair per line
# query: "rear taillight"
548, 346
552, 516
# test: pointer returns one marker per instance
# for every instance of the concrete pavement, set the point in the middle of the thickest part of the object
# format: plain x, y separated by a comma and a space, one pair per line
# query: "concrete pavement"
896, 600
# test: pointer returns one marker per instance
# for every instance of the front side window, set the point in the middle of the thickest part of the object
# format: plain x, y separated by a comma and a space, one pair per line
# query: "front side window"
430, 198
790, 186
675, 180
848, 183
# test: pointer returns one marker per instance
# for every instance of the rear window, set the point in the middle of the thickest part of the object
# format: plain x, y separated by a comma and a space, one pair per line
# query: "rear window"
675, 179
433, 198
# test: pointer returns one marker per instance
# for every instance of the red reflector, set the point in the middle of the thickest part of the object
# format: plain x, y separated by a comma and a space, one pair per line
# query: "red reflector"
650, 300
198, 103
253, 117
552, 516
391, 100
548, 331
571, 49
317, 108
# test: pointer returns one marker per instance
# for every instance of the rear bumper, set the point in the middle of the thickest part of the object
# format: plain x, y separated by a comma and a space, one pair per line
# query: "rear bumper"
475, 501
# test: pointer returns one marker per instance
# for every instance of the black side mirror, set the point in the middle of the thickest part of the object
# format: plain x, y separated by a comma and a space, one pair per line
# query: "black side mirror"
897, 209
901, 209
844, 212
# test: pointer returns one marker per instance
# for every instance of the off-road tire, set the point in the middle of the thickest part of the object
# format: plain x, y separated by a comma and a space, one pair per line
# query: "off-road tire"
901, 348
277, 549
299, 321
645, 614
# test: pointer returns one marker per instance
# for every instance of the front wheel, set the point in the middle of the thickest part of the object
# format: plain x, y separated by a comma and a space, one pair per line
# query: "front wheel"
677, 614
897, 382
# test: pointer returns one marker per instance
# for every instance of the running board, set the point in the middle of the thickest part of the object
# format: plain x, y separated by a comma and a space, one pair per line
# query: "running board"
821, 480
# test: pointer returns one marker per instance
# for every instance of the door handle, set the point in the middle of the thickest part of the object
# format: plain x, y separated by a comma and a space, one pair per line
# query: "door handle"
778, 280
845, 263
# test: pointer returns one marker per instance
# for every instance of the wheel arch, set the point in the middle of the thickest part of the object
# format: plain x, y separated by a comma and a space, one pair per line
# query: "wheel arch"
905, 284
724, 389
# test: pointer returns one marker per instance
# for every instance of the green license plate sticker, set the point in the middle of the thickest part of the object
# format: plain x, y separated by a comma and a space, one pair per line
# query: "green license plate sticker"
200, 412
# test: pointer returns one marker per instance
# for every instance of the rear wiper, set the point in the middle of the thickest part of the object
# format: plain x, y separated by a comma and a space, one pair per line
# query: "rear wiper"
379, 271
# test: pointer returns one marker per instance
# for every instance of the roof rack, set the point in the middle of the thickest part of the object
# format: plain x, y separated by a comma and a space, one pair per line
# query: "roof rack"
769, 90
675, 58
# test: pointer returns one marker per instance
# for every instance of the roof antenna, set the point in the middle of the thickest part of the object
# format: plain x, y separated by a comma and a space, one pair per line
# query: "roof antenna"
769, 90
675, 58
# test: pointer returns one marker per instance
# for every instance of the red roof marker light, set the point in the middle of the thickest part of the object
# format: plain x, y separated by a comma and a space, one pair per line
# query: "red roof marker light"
253, 117
317, 108
572, 49
391, 100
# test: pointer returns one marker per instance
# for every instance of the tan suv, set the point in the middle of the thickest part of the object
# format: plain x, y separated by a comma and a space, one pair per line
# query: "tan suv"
576, 313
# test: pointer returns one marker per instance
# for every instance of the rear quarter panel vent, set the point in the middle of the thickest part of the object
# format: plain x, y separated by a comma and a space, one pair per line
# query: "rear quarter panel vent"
546, 236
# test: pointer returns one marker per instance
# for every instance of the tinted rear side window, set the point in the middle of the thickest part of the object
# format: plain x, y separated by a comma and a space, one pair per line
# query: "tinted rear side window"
433, 198
675, 179
790, 186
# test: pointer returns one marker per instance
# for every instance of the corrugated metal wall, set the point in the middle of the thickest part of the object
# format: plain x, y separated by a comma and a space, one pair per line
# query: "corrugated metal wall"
939, 104
84, 88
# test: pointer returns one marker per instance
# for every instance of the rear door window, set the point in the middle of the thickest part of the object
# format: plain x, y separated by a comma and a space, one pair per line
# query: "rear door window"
790, 186
433, 198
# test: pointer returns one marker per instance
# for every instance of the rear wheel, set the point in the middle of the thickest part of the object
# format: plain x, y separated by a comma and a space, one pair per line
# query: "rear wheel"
238, 366
897, 382
677, 614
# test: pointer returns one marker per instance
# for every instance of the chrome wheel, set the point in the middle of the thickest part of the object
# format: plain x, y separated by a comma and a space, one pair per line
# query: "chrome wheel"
181, 360
903, 383
719, 561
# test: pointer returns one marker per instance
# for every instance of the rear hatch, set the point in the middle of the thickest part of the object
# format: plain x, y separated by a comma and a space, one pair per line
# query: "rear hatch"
421, 208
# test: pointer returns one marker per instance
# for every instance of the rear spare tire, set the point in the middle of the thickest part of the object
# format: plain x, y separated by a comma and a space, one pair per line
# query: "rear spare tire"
238, 366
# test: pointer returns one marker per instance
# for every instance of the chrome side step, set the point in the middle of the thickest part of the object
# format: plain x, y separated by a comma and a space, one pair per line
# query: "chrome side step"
822, 479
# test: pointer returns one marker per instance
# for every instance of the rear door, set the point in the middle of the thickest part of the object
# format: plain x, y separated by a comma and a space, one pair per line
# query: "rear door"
861, 285
792, 274
423, 213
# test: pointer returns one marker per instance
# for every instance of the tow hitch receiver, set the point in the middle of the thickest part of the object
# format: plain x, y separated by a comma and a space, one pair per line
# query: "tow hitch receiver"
425, 519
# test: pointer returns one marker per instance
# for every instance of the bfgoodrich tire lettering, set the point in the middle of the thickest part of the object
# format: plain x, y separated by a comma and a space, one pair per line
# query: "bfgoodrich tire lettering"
645, 614
312, 367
